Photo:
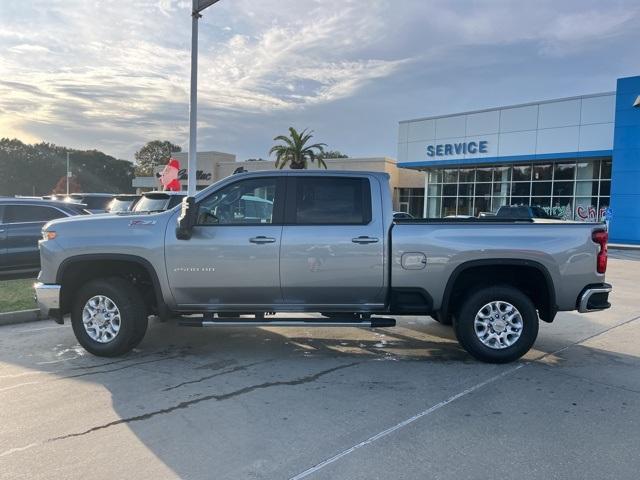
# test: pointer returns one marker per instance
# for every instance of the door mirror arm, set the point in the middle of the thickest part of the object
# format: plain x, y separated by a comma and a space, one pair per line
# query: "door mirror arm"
187, 218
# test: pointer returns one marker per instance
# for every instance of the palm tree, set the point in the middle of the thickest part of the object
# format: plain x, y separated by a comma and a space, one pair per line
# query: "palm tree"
295, 152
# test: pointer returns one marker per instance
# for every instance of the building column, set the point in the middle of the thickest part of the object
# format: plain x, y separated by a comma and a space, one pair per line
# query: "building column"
625, 167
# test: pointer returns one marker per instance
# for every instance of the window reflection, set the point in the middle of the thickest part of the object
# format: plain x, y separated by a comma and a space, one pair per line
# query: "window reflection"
565, 188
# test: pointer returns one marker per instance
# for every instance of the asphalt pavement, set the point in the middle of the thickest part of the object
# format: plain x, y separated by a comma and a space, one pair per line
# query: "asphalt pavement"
333, 403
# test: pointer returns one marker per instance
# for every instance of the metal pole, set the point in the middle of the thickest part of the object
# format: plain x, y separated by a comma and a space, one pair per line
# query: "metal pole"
67, 173
192, 155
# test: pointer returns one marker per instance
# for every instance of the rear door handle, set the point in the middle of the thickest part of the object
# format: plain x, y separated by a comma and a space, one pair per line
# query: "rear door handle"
363, 239
262, 239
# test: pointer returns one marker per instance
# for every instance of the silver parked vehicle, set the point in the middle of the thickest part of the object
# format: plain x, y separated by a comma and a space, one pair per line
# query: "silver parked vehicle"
301, 241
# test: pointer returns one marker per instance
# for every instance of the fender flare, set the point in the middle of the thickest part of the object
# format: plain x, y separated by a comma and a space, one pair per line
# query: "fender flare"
143, 262
547, 316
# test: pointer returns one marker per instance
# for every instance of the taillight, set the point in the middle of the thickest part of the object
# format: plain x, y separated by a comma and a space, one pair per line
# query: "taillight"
601, 237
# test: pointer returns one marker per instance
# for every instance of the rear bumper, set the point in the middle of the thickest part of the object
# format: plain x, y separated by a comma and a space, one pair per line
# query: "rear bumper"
48, 298
594, 298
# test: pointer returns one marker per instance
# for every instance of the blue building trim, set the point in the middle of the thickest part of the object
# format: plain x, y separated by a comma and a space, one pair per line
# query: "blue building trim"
625, 168
508, 159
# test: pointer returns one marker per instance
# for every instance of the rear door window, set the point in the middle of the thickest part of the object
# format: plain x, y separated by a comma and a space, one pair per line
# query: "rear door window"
330, 201
31, 213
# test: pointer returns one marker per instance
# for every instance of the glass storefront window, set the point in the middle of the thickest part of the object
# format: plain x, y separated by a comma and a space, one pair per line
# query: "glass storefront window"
435, 176
586, 209
564, 171
502, 174
588, 170
411, 200
603, 204
449, 190
484, 174
586, 188
450, 175
434, 190
562, 208
465, 189
481, 204
562, 188
497, 202
464, 205
467, 175
483, 189
521, 173
521, 189
502, 189
568, 189
519, 201
433, 207
541, 189
544, 202
448, 206
543, 172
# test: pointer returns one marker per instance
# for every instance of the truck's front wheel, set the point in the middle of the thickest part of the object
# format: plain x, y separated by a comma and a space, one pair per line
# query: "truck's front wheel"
497, 324
109, 317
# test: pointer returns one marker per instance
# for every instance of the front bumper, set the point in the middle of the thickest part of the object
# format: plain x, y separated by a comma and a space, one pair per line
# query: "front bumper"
594, 298
48, 298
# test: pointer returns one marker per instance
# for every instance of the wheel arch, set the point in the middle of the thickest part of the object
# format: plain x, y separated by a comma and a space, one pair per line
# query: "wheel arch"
544, 299
113, 264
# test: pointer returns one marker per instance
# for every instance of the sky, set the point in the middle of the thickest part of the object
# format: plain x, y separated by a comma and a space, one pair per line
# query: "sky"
114, 74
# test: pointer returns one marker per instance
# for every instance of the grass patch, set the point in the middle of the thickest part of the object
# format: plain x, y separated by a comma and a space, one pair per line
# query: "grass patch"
16, 295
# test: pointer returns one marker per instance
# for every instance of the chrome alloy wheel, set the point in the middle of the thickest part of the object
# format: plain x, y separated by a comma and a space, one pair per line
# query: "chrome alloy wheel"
101, 319
498, 325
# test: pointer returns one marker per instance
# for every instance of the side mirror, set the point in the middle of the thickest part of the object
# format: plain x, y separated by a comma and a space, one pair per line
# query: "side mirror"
187, 219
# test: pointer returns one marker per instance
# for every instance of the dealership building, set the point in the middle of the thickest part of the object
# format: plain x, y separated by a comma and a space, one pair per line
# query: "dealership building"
577, 157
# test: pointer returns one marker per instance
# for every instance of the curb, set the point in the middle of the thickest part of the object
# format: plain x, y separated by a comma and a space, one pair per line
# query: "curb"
21, 316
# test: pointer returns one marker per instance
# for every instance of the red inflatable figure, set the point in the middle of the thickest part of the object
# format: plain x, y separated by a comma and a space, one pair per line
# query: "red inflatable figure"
169, 176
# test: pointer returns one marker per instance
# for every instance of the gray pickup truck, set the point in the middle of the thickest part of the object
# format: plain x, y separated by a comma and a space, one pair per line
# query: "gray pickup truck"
298, 241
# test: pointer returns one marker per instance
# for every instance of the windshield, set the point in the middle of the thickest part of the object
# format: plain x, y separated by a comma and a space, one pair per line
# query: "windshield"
118, 205
152, 203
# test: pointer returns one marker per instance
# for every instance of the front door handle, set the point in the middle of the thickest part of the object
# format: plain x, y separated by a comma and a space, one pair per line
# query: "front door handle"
262, 239
363, 239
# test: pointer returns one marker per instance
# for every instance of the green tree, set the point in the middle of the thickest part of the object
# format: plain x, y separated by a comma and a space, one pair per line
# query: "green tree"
295, 151
332, 154
36, 169
156, 152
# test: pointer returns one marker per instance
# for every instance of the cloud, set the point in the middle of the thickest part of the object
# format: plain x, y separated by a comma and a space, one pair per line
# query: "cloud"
115, 74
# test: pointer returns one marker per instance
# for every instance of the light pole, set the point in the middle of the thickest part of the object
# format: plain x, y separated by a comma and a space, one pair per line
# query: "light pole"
192, 155
68, 173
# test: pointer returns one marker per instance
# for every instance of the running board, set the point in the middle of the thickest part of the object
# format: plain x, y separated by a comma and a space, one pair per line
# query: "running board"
374, 322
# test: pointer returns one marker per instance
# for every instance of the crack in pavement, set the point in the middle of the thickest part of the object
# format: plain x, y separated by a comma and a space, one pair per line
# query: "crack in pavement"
217, 397
213, 375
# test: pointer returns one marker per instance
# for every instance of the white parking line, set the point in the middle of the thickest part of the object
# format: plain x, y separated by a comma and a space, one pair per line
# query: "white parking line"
404, 423
444, 403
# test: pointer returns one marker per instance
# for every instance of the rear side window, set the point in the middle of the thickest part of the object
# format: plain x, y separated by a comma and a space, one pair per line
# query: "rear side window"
332, 201
30, 213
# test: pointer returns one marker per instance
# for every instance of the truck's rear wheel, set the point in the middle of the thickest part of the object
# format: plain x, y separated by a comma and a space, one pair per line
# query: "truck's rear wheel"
497, 324
109, 317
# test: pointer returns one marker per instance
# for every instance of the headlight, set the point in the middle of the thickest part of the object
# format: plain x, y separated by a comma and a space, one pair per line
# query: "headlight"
48, 234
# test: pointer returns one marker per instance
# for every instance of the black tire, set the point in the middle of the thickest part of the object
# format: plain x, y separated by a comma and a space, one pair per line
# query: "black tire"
465, 318
133, 316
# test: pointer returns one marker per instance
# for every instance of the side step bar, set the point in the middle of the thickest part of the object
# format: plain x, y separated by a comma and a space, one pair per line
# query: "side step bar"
373, 322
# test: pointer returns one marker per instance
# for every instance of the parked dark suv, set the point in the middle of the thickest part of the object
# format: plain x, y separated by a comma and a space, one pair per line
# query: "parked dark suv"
21, 222
94, 202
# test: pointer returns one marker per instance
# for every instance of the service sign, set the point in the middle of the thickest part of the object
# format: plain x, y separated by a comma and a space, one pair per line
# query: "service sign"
458, 148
